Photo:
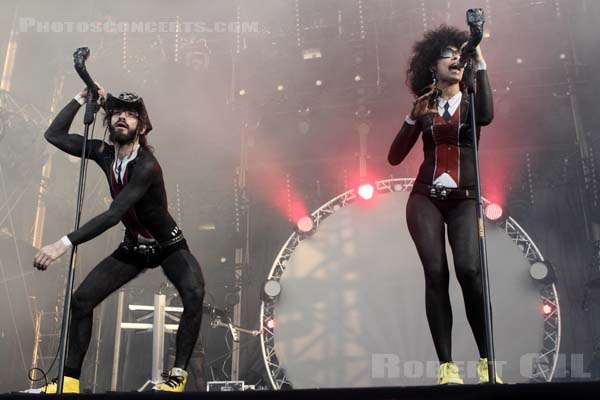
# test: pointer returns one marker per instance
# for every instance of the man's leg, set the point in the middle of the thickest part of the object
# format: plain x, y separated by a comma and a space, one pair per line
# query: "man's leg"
182, 269
103, 280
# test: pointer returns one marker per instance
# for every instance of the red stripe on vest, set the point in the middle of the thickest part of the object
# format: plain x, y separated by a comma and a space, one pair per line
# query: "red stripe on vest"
447, 150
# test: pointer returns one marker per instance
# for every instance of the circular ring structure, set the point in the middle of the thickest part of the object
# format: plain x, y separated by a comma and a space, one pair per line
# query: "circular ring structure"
351, 310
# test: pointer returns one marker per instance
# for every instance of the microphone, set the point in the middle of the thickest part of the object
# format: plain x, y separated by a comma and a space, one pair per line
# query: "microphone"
79, 57
475, 20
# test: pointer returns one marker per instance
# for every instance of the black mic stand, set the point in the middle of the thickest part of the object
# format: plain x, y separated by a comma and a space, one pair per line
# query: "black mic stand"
91, 108
489, 331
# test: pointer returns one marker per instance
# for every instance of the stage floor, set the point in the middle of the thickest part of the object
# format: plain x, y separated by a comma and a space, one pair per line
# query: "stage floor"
571, 390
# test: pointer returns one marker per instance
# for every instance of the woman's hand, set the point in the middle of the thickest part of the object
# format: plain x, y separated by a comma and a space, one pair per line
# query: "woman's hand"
477, 56
421, 105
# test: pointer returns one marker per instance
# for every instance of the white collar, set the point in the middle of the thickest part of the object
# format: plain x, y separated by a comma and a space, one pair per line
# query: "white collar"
123, 162
453, 101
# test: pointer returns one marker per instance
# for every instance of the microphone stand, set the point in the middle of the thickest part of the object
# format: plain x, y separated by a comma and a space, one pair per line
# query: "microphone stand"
91, 108
489, 332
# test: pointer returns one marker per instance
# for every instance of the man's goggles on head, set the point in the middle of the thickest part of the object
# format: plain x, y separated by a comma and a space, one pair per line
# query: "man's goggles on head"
449, 53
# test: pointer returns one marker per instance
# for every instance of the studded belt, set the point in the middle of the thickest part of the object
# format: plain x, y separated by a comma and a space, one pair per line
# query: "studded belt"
441, 192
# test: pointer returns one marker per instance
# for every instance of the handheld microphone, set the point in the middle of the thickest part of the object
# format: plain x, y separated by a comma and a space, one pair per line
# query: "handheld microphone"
475, 20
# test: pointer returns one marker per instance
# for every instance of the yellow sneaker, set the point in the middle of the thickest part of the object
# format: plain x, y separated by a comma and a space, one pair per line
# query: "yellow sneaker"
483, 372
175, 381
448, 374
71, 385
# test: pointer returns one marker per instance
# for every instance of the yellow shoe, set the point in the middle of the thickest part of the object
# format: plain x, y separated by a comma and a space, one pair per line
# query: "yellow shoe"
71, 385
175, 381
448, 374
483, 372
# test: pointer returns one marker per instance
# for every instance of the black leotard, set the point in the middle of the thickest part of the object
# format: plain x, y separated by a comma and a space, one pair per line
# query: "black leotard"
140, 202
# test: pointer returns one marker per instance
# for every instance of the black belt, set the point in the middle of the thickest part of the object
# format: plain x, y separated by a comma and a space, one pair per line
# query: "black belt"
172, 241
149, 246
441, 192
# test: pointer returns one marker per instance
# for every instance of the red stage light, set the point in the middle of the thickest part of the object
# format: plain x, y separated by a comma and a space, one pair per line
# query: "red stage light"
493, 211
305, 224
547, 309
366, 191
270, 323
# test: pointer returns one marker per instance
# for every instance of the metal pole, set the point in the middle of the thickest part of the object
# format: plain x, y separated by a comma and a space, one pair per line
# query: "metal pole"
36, 345
97, 355
64, 333
117, 350
88, 119
158, 337
482, 242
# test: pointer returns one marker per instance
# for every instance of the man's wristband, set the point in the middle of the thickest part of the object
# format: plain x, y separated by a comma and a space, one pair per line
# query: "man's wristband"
66, 241
79, 99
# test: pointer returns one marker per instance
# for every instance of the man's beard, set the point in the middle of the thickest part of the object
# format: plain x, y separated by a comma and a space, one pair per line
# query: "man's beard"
121, 138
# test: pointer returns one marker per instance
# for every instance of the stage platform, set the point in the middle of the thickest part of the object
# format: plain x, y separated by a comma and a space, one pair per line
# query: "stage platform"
571, 391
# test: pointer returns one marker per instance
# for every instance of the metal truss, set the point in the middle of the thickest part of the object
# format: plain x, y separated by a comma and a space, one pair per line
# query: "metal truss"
546, 361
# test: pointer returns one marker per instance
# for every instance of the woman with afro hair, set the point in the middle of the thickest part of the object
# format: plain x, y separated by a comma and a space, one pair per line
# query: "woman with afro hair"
443, 194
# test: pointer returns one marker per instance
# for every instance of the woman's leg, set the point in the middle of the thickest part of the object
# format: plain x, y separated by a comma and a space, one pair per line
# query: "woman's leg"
426, 227
182, 269
464, 240
103, 280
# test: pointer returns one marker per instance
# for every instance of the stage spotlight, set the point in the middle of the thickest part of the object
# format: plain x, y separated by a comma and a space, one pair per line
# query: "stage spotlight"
319, 82
271, 290
493, 211
242, 92
547, 309
357, 78
543, 272
280, 88
270, 323
305, 224
366, 191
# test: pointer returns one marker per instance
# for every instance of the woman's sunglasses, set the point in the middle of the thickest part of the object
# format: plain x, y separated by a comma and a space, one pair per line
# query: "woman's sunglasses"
449, 53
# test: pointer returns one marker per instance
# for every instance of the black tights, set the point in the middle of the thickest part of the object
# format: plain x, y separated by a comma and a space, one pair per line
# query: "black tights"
180, 267
426, 218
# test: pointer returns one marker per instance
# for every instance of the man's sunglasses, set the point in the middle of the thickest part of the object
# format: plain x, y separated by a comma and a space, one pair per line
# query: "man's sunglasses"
129, 113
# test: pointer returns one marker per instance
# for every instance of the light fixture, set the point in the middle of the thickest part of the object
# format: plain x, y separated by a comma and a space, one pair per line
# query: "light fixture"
542, 271
270, 290
493, 211
366, 191
305, 224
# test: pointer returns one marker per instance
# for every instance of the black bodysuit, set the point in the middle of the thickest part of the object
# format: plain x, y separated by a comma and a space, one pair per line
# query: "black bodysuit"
448, 148
140, 202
